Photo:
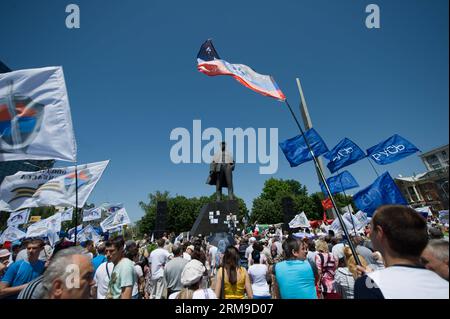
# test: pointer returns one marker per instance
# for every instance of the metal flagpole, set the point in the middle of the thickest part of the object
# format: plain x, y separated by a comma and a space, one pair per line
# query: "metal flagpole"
338, 215
343, 191
76, 202
378, 175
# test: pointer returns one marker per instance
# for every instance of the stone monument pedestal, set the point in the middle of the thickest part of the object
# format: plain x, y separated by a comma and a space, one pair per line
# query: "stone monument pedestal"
213, 217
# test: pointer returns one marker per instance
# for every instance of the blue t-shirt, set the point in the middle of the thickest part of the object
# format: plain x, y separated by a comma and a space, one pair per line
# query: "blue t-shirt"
97, 261
295, 279
22, 272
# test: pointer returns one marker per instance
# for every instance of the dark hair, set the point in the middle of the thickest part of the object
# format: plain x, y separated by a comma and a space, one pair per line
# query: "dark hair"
117, 242
177, 250
199, 255
256, 256
404, 228
35, 241
258, 246
161, 242
88, 242
231, 262
289, 245
311, 245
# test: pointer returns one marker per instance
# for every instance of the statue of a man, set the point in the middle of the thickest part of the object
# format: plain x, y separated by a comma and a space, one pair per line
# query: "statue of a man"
220, 172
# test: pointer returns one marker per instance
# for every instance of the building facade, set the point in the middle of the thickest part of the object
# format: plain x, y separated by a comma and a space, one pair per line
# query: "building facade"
430, 188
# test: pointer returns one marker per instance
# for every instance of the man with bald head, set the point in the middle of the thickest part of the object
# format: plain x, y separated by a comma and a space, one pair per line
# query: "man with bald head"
69, 275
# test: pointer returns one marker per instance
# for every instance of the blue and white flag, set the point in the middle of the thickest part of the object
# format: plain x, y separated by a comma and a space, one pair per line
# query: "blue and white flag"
424, 211
88, 233
18, 218
67, 215
111, 208
362, 219
42, 228
339, 183
296, 150
343, 154
391, 150
443, 216
119, 218
300, 221
71, 232
92, 214
11, 234
383, 191
35, 120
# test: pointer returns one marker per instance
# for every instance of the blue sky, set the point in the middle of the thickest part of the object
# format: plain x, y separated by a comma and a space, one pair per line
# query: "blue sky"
131, 76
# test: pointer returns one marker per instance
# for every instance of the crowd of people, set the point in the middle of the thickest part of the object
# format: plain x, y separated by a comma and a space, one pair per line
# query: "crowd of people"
400, 256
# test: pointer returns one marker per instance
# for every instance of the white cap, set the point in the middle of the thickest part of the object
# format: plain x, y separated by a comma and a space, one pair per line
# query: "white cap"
192, 272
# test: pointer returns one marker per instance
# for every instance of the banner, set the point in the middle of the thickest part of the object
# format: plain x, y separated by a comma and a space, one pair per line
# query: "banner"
343, 154
327, 204
35, 120
383, 191
35, 219
336, 226
300, 220
209, 63
296, 150
67, 215
18, 218
11, 234
424, 211
443, 216
88, 233
111, 208
71, 232
391, 150
92, 214
119, 218
339, 183
42, 228
362, 219
52, 187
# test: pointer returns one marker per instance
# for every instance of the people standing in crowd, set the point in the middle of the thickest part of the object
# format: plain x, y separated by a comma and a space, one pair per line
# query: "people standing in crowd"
158, 259
101, 279
435, 257
173, 270
294, 276
188, 251
326, 265
21, 272
259, 277
400, 235
4, 261
100, 258
123, 276
344, 278
56, 281
132, 253
191, 278
232, 280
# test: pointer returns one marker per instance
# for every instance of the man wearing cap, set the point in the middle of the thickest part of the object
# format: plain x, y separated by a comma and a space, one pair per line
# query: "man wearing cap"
4, 261
191, 277
188, 253
21, 272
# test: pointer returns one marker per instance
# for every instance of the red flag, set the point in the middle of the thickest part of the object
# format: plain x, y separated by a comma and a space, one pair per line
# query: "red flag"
327, 204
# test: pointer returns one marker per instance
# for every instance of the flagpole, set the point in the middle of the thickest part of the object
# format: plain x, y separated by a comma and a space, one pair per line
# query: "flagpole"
352, 247
345, 195
378, 175
76, 202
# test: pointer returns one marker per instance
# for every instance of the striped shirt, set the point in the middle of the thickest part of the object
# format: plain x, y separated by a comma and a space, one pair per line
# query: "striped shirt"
34, 289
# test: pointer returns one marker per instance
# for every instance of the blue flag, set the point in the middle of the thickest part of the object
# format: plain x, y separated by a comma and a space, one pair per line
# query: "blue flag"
344, 154
296, 150
383, 191
391, 150
340, 183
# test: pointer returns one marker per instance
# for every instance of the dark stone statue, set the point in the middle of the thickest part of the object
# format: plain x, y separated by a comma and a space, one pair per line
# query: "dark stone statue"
221, 172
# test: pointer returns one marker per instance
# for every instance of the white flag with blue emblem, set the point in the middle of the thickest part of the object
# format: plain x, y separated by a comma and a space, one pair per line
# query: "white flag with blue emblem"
67, 215
35, 120
18, 218
300, 220
45, 227
51, 187
92, 214
119, 218
11, 234
88, 233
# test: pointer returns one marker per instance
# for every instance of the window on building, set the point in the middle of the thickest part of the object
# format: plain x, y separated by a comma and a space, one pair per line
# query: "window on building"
413, 194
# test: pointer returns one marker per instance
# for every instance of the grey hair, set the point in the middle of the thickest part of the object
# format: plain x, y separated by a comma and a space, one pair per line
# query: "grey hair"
58, 266
439, 248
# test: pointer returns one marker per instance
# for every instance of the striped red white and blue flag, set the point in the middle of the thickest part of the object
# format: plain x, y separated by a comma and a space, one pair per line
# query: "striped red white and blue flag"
211, 64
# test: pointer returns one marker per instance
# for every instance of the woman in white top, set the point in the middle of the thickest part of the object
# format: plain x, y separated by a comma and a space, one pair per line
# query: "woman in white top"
191, 278
258, 274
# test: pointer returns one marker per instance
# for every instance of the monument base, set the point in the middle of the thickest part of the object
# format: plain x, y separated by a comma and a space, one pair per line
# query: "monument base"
213, 217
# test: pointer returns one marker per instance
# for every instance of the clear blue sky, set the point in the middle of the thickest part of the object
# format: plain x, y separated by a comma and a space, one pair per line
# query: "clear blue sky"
131, 76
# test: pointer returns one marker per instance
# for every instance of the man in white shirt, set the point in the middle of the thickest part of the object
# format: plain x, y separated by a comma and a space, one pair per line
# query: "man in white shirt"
101, 279
158, 259
400, 235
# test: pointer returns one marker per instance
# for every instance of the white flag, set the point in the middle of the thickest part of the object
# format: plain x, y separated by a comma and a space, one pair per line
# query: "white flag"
347, 209
67, 215
92, 214
88, 233
299, 220
336, 226
11, 234
362, 219
42, 228
35, 120
71, 232
18, 218
52, 187
119, 218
